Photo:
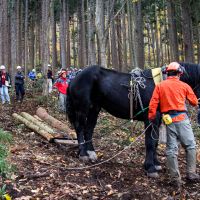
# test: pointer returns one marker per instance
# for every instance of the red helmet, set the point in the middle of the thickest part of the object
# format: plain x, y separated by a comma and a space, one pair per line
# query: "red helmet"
174, 66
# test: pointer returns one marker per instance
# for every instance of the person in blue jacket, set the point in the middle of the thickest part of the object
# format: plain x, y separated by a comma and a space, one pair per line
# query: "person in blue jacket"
32, 75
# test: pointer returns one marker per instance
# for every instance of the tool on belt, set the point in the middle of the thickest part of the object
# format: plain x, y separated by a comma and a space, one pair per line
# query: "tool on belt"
167, 119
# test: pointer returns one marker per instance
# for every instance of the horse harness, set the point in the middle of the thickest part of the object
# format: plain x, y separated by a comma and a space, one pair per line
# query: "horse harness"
134, 93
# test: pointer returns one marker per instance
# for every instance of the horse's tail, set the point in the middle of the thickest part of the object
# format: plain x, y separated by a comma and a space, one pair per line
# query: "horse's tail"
70, 112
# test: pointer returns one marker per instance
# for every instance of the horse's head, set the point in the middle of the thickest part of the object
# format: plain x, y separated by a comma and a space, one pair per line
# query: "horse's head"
192, 77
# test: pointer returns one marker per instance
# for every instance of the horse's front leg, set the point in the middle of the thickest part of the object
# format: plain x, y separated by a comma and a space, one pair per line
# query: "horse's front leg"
91, 123
150, 143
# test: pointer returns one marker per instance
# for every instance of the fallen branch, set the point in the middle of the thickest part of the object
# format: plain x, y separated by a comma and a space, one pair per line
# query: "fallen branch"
42, 113
33, 126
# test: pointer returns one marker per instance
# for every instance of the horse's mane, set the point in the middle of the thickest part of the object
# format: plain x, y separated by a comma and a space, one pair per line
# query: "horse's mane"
192, 74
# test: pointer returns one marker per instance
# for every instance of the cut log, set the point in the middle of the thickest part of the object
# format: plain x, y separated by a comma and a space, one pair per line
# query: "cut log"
37, 122
65, 141
36, 117
42, 113
33, 126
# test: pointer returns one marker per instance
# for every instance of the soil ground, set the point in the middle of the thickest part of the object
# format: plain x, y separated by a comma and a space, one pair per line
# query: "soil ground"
42, 168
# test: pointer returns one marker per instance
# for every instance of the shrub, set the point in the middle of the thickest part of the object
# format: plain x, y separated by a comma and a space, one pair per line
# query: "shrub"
5, 140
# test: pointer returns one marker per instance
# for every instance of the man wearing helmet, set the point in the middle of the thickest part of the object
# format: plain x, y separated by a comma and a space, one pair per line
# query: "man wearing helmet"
170, 96
61, 85
5, 82
19, 84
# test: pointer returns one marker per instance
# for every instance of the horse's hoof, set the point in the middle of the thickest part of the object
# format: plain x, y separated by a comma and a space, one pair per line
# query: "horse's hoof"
92, 155
153, 175
84, 158
158, 167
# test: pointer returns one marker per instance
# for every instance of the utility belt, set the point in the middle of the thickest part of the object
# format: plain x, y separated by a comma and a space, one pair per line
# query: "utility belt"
168, 117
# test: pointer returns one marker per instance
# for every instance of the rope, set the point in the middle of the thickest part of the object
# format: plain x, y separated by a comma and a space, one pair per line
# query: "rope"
107, 160
137, 81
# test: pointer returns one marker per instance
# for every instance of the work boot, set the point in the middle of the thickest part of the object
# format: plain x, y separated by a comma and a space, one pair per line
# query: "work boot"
172, 164
176, 184
191, 165
193, 177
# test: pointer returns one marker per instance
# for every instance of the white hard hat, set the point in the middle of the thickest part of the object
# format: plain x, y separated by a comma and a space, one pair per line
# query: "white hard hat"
2, 67
33, 70
19, 67
49, 65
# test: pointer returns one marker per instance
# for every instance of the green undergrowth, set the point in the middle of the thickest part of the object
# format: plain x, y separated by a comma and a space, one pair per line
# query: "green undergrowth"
5, 140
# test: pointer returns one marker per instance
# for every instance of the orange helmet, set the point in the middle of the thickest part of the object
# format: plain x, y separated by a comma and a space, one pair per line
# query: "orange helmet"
174, 66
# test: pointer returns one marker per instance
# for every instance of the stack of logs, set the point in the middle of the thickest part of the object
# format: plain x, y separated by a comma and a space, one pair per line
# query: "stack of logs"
47, 126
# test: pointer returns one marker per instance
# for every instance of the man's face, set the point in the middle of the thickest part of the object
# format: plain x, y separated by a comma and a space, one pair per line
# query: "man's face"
64, 75
3, 71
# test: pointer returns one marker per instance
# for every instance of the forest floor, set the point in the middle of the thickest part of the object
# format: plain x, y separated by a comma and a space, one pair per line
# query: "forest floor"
42, 167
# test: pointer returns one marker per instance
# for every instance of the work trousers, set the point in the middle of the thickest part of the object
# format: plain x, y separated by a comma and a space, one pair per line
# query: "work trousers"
62, 102
19, 89
4, 94
180, 132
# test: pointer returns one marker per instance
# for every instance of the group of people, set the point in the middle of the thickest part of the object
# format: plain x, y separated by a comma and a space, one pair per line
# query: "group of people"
5, 84
63, 77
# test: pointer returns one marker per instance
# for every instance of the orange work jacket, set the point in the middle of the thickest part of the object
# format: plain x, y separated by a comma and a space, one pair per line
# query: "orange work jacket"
171, 94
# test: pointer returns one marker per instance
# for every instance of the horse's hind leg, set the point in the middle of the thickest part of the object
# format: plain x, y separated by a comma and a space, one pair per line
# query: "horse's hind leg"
79, 126
89, 128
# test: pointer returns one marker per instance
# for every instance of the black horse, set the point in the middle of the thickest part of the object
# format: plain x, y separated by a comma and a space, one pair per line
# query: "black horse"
96, 87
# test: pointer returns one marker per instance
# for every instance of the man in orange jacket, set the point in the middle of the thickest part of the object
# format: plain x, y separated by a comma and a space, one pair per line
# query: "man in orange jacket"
170, 96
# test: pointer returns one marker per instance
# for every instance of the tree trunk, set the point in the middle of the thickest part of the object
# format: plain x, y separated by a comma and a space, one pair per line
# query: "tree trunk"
18, 36
153, 44
198, 45
53, 37
32, 44
113, 32
81, 35
13, 25
100, 28
26, 38
119, 43
130, 35
187, 30
173, 42
156, 39
68, 61
91, 33
5, 34
45, 38
138, 34
63, 33
124, 42
1, 32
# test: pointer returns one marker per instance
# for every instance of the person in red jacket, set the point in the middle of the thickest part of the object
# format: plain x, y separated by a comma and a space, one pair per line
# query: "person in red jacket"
61, 84
170, 96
